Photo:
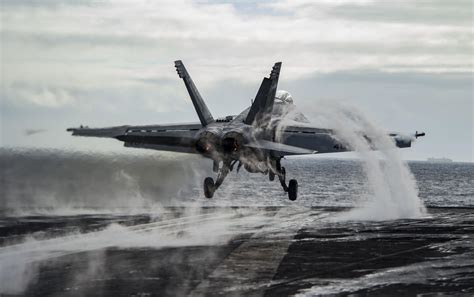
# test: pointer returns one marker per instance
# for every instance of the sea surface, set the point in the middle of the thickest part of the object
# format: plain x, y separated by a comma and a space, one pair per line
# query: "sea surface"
63, 181
138, 224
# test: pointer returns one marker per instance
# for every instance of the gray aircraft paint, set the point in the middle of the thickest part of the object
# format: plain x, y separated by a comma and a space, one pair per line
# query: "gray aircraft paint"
255, 138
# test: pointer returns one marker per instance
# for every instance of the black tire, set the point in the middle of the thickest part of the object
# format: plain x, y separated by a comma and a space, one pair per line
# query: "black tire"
271, 175
208, 187
292, 189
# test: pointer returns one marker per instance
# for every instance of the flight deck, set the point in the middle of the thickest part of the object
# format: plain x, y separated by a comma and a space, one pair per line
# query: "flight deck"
238, 251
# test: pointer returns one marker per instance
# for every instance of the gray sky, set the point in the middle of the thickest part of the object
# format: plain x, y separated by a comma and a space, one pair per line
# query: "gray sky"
407, 64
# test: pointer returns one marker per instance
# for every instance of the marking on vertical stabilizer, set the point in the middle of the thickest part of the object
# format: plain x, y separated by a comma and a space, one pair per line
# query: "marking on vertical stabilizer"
249, 269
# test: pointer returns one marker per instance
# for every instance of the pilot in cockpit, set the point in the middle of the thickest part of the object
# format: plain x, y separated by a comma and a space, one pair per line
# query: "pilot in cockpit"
285, 107
283, 97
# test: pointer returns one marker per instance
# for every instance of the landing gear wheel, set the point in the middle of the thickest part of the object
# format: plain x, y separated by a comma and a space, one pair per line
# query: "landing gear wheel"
292, 189
208, 187
271, 176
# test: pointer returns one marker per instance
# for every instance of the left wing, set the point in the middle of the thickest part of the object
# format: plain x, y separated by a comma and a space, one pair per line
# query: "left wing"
175, 138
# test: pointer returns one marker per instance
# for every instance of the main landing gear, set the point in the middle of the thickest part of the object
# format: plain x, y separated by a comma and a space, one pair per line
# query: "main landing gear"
292, 188
209, 186
275, 170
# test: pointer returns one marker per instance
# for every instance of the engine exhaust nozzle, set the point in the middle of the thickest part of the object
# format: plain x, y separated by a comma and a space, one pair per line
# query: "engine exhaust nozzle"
207, 143
232, 142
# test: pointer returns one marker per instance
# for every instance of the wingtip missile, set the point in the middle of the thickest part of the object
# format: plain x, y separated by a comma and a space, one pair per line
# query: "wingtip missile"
419, 134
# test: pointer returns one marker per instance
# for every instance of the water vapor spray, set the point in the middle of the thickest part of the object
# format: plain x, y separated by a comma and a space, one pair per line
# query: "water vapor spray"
393, 193
392, 190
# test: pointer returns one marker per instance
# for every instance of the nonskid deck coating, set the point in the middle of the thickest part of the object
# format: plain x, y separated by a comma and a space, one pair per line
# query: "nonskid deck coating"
268, 251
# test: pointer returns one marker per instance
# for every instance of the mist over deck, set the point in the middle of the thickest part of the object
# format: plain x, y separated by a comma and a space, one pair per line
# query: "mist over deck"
263, 251
76, 224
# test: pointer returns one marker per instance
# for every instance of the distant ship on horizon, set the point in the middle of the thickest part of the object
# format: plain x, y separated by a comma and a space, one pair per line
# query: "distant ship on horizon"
439, 160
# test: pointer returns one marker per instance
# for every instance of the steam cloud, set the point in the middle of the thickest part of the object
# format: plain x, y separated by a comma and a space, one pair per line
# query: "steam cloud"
393, 193
62, 182
19, 263
55, 180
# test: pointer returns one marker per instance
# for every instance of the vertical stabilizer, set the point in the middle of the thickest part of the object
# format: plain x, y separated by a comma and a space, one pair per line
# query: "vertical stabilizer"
262, 107
201, 109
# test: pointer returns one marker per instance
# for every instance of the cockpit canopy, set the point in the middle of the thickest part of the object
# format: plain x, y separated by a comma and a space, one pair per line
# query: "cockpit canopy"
284, 97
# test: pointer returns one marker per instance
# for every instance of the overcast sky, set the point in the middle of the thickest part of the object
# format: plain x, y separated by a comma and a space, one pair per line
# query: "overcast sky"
407, 64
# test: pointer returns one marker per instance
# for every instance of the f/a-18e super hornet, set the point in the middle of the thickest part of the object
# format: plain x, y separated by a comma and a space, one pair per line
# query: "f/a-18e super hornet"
253, 139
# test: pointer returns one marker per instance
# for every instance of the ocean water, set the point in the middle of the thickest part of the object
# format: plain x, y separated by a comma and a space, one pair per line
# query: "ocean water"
98, 224
62, 182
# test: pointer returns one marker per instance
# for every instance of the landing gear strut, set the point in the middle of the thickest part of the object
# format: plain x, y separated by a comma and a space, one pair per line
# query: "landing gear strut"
209, 186
271, 175
292, 188
275, 169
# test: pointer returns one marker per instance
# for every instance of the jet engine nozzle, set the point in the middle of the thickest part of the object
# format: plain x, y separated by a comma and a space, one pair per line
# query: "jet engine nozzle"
232, 142
207, 142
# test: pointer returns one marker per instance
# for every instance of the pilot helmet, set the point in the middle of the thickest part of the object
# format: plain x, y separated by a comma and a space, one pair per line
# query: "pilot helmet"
284, 96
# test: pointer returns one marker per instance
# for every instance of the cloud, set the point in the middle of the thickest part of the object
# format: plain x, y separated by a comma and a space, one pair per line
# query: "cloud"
111, 62
60, 46
29, 132
48, 97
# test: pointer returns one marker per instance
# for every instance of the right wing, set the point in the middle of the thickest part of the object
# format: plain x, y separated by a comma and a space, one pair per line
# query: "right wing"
316, 139
175, 138
325, 140
279, 148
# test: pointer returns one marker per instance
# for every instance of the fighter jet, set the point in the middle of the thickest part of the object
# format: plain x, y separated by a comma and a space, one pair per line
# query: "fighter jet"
256, 139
